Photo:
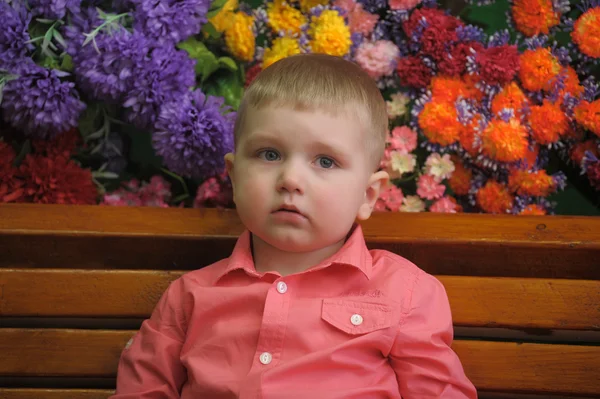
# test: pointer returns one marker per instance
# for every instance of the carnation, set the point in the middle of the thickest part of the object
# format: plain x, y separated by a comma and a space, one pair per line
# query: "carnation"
11, 187
397, 105
404, 4
498, 65
377, 58
390, 199
155, 193
444, 205
441, 167
428, 187
193, 134
412, 203
413, 72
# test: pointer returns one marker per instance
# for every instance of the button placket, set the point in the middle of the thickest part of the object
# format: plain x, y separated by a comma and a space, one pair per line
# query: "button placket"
282, 287
356, 319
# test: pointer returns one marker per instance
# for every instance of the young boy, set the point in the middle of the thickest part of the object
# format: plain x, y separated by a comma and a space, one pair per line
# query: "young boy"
301, 308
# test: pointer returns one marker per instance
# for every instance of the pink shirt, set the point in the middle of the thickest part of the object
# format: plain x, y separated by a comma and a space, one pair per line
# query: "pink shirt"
362, 324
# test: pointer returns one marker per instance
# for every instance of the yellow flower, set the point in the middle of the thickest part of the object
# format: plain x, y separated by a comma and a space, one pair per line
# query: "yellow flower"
239, 37
224, 18
282, 47
283, 17
330, 34
306, 5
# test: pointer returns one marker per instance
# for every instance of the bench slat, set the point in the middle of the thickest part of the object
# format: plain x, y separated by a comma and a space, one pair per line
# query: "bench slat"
147, 238
492, 366
475, 301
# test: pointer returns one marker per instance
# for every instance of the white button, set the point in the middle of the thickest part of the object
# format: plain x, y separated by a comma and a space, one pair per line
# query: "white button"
281, 287
356, 319
265, 358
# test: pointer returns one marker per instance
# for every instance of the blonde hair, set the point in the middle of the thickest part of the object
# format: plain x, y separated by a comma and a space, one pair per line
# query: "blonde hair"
323, 82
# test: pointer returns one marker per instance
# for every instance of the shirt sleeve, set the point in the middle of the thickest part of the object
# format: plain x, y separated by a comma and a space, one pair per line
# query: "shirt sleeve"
150, 366
425, 364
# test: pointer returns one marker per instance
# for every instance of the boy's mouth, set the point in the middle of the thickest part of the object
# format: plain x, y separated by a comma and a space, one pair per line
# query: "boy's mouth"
289, 209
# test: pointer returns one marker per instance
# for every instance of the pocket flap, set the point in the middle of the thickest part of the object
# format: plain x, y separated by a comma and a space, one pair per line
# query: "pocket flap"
356, 317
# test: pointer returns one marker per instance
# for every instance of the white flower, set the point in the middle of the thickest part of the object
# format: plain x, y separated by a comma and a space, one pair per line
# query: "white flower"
412, 203
397, 106
401, 163
438, 166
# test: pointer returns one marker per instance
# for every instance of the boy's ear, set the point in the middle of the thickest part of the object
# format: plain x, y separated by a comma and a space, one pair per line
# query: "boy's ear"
229, 163
374, 186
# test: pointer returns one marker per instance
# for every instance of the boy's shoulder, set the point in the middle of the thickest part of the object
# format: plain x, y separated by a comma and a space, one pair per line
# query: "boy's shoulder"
205, 276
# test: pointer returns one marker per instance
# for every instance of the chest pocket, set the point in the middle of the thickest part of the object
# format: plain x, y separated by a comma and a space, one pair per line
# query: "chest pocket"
356, 317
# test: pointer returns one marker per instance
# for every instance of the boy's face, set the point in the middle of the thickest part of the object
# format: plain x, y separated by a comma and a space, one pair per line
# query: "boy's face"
301, 178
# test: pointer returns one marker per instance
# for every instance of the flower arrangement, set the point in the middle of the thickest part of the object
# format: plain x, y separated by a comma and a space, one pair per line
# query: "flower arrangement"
481, 119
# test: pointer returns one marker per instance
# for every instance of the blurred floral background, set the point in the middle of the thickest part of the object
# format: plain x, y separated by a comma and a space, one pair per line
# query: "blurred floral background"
493, 106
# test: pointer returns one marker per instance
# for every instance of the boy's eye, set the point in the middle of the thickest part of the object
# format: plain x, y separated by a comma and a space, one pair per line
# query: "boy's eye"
326, 163
269, 155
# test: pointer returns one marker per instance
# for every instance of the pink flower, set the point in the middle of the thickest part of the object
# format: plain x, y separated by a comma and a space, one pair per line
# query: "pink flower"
403, 139
390, 199
346, 5
377, 58
444, 205
155, 193
439, 166
397, 106
361, 21
401, 163
403, 4
429, 188
215, 191
412, 203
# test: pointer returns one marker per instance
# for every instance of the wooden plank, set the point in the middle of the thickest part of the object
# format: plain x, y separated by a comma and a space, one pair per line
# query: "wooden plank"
151, 238
33, 393
492, 366
475, 301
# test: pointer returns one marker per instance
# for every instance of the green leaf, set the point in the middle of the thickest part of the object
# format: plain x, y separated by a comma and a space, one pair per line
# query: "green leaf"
25, 149
217, 4
210, 31
67, 63
212, 13
228, 63
105, 175
206, 61
227, 85
88, 120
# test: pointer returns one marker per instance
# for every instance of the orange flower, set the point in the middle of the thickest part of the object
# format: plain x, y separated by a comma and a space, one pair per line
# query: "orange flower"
460, 181
445, 88
468, 135
533, 210
439, 122
538, 67
512, 97
579, 149
494, 198
533, 17
505, 141
587, 114
570, 82
586, 32
531, 183
548, 123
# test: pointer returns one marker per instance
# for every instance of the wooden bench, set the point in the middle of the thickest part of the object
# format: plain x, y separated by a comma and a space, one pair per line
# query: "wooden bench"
76, 282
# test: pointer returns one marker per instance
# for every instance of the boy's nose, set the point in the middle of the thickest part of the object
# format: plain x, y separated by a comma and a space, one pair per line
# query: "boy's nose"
290, 179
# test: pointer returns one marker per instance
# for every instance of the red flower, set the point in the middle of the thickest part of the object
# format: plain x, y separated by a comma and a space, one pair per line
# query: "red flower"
456, 63
434, 18
11, 189
413, 72
62, 145
56, 180
251, 74
435, 41
498, 65
593, 174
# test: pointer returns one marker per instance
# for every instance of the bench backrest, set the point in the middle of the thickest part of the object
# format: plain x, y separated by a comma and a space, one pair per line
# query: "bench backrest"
76, 282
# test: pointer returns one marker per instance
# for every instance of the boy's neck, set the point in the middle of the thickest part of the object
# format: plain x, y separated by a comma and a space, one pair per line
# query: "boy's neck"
270, 259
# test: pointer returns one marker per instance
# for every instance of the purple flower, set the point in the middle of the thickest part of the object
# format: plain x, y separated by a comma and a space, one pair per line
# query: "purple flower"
165, 75
14, 21
54, 9
193, 134
106, 70
81, 22
170, 21
39, 103
373, 6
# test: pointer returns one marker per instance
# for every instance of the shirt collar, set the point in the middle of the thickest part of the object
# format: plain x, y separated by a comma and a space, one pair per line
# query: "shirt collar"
353, 253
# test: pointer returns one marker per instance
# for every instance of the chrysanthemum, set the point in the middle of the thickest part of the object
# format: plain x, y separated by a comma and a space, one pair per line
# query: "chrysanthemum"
14, 21
504, 141
547, 122
377, 58
39, 103
510, 97
439, 122
282, 17
567, 82
468, 137
586, 32
450, 89
587, 114
538, 68
460, 181
165, 75
53, 9
494, 197
306, 5
281, 47
169, 21
531, 183
193, 133
534, 17
578, 151
239, 37
534, 210
329, 34
223, 19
